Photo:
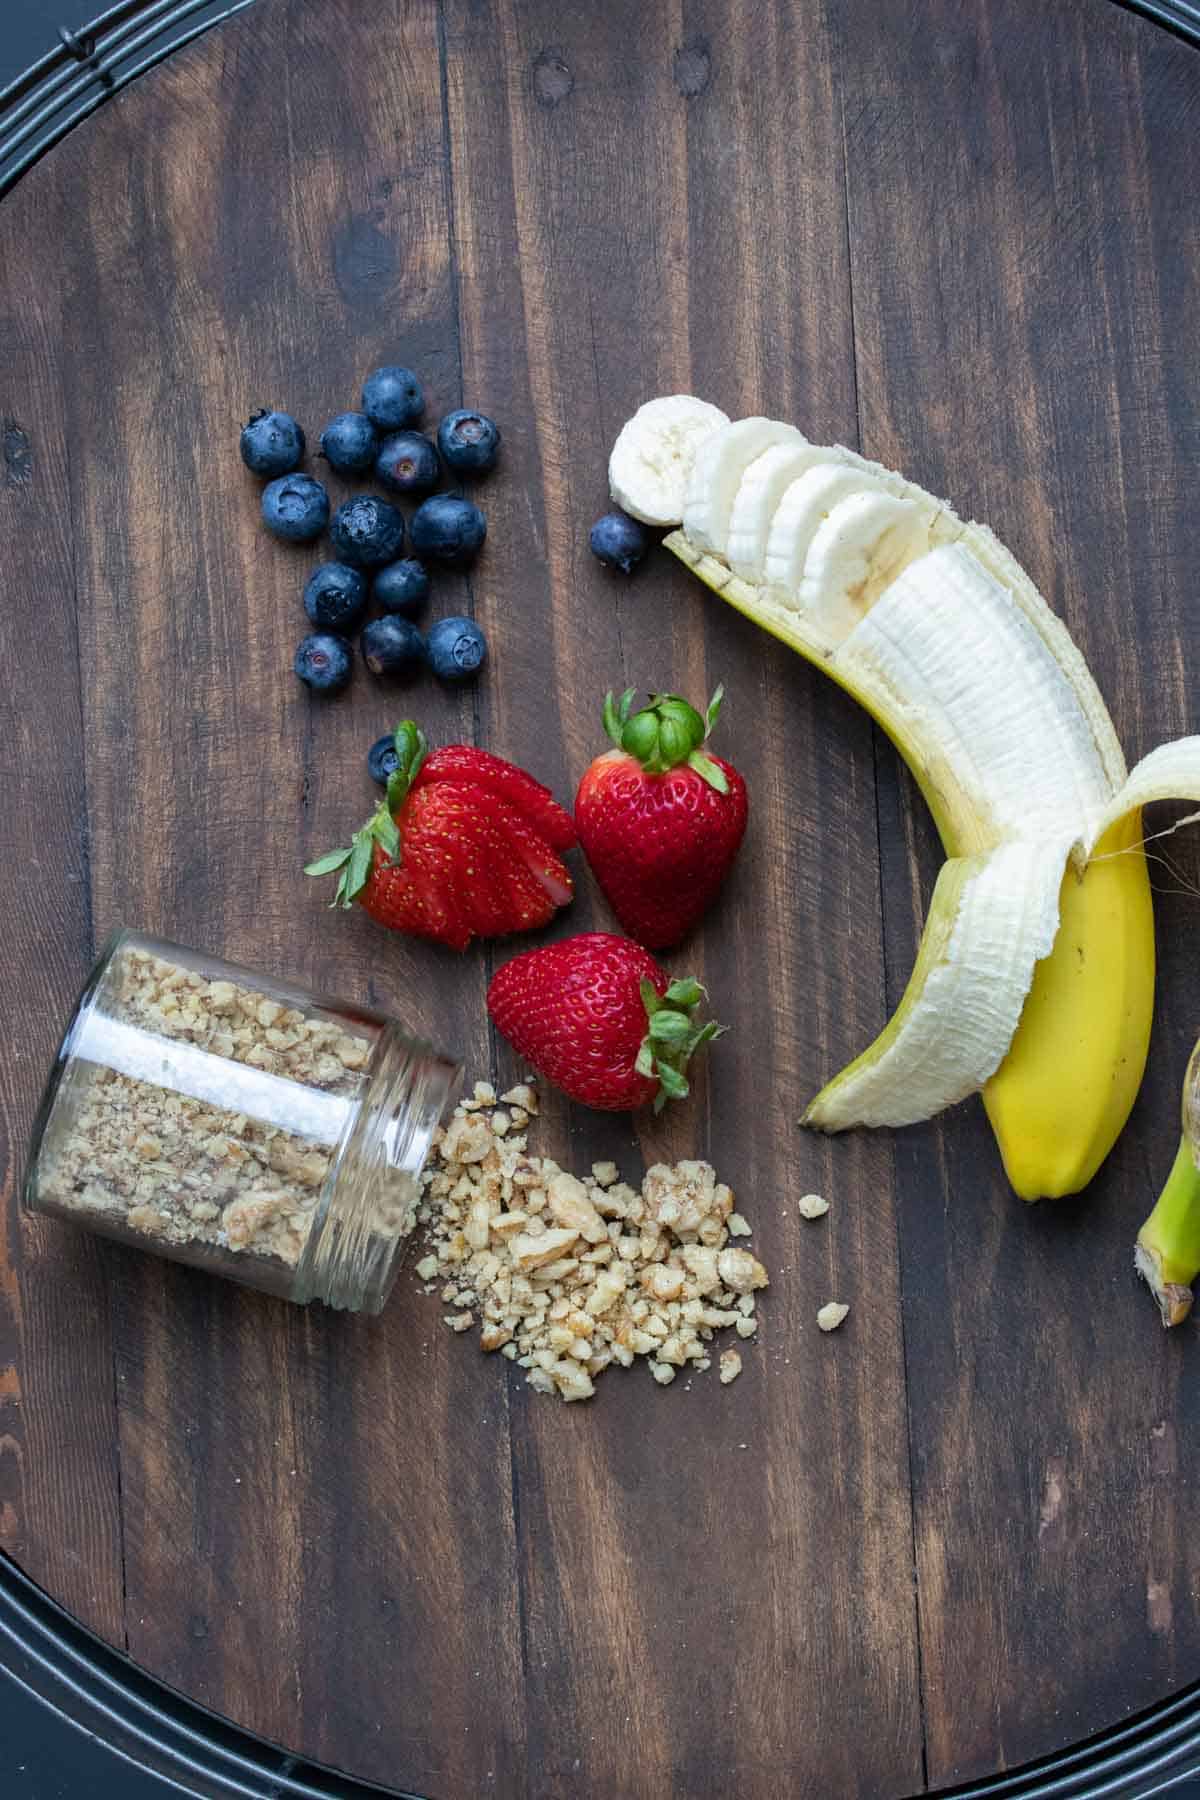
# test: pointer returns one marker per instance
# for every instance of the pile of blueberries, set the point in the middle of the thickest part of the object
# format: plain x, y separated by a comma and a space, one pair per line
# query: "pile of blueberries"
368, 533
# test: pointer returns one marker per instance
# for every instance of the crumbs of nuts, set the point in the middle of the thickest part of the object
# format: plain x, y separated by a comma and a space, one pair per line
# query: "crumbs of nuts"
152, 1161
568, 1275
812, 1206
831, 1315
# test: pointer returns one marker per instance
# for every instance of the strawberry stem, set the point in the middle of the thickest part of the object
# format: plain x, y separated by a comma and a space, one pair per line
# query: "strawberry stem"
673, 1037
353, 866
412, 748
708, 771
664, 734
616, 714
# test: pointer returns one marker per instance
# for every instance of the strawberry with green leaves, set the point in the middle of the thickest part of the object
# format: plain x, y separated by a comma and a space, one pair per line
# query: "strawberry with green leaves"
599, 1018
463, 845
660, 818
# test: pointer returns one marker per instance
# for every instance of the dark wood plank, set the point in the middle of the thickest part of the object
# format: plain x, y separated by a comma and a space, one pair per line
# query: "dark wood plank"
319, 1535
1026, 273
631, 186
58, 1471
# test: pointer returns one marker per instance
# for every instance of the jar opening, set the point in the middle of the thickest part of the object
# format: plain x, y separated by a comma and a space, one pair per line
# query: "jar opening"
369, 1205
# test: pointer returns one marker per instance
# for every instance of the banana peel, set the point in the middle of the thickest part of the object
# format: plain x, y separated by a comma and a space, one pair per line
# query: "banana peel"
1167, 1253
1062, 1094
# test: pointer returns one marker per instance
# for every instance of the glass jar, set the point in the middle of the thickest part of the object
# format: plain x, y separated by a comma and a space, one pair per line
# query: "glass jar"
230, 1121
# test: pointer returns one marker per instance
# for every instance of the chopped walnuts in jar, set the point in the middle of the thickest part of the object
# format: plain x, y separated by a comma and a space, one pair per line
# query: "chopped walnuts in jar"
165, 1140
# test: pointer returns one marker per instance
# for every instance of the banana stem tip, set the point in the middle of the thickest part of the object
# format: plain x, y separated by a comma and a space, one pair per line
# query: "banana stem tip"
1174, 1299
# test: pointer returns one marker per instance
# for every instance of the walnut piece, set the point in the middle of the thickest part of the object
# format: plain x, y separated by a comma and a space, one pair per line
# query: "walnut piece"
529, 1252
569, 1204
740, 1271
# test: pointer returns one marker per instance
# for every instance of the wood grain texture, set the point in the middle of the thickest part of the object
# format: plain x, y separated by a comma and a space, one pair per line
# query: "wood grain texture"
1026, 263
622, 1612
957, 233
274, 1462
58, 1467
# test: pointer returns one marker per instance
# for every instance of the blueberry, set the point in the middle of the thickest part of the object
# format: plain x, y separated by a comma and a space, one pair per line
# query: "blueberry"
295, 507
324, 662
469, 441
272, 443
457, 649
367, 531
392, 646
618, 541
403, 587
349, 443
448, 529
335, 597
407, 463
393, 398
382, 758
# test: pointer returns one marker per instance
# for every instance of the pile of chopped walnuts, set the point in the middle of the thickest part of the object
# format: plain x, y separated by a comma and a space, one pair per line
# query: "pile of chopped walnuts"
566, 1276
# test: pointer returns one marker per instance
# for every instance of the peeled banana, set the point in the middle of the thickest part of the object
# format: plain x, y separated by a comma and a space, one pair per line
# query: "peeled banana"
1034, 982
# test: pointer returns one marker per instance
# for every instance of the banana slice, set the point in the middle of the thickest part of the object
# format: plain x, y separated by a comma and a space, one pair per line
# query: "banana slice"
990, 920
717, 474
947, 652
805, 506
858, 550
759, 492
651, 461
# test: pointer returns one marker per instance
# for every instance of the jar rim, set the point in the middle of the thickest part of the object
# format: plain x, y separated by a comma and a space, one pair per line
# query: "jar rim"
355, 1247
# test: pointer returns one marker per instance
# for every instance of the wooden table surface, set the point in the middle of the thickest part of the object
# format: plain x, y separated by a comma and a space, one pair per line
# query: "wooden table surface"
962, 235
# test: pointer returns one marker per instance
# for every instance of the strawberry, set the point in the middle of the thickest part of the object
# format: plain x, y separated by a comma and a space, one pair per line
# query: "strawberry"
599, 1018
525, 795
464, 845
659, 818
